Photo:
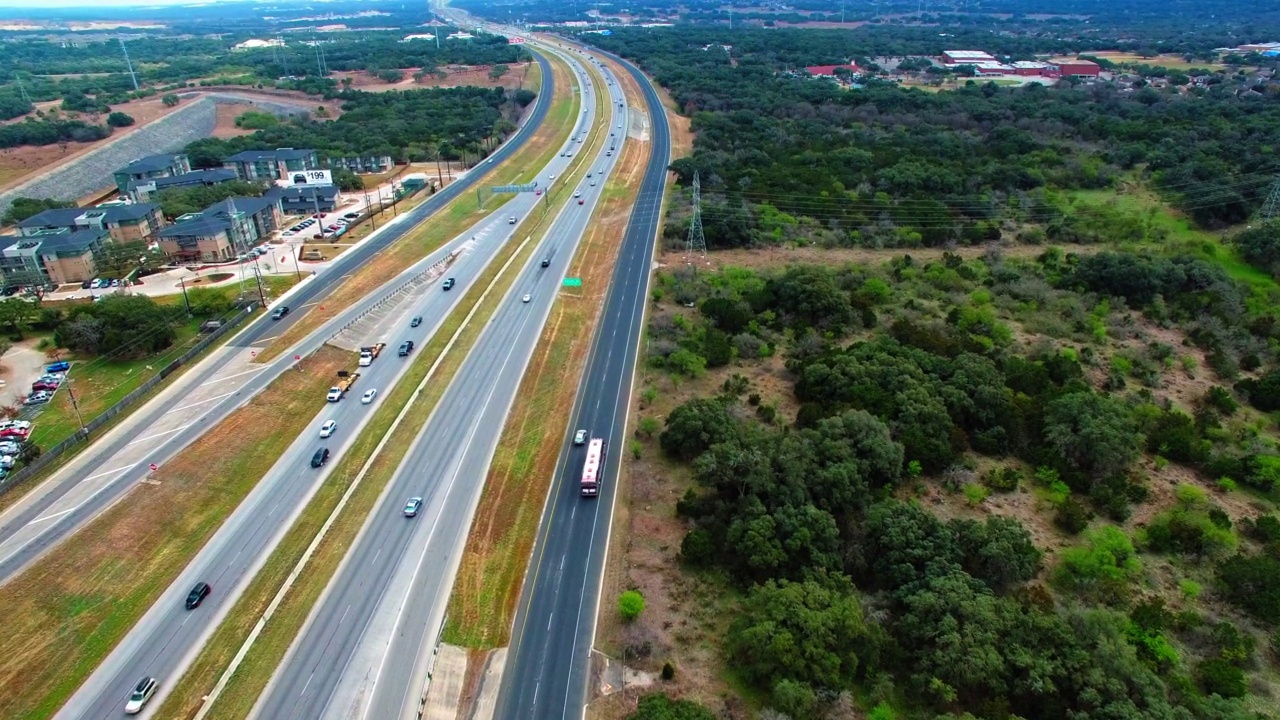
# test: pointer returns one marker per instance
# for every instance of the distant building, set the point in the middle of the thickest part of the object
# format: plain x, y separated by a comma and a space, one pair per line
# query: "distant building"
143, 190
152, 166
363, 163
52, 257
255, 44
1077, 68
221, 231
830, 70
268, 165
1033, 68
966, 57
124, 222
1263, 48
305, 200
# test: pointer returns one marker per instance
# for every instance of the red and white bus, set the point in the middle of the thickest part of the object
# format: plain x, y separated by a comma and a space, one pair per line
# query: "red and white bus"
591, 468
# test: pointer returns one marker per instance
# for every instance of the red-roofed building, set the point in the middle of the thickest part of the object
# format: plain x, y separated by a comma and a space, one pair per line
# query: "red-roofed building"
1077, 68
830, 70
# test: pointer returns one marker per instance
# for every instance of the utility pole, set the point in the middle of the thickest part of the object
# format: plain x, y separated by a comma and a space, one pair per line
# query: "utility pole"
185, 301
697, 242
1271, 208
129, 63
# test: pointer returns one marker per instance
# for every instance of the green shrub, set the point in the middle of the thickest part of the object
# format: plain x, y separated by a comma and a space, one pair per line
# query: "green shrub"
1003, 479
630, 605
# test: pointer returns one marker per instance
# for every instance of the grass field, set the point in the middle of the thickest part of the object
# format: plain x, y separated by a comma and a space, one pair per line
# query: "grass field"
69, 609
1169, 62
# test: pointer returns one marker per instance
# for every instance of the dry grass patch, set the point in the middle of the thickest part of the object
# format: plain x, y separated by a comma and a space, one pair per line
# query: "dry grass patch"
444, 225
69, 609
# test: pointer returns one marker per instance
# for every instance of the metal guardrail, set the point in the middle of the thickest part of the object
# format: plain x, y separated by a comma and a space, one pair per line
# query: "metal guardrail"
47, 456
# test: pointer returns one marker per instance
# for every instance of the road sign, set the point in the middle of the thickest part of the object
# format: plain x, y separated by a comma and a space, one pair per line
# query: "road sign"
527, 187
573, 282
153, 467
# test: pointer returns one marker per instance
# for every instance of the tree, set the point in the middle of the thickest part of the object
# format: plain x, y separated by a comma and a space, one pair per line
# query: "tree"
117, 259
132, 326
1092, 433
347, 181
16, 314
1103, 567
810, 631
1250, 583
630, 605
660, 707
176, 202
999, 552
119, 120
23, 207
497, 71
695, 426
717, 349
170, 99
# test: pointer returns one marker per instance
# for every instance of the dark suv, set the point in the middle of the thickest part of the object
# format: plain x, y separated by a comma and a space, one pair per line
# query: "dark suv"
406, 347
320, 458
197, 595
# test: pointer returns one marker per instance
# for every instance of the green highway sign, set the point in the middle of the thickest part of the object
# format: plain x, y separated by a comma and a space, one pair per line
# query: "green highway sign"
573, 282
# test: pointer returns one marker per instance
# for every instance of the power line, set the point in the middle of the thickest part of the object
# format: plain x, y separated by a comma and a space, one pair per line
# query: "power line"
129, 63
1271, 208
697, 242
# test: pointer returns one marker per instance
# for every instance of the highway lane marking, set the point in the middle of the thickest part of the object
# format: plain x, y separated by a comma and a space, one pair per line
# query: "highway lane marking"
52, 516
246, 372
111, 472
201, 402
161, 434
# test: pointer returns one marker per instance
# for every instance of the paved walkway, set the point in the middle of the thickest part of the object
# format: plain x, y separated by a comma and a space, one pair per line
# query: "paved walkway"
20, 367
446, 684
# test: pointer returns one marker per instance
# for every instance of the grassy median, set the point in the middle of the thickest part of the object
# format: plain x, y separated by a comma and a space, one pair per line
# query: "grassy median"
451, 220
482, 607
69, 609
240, 694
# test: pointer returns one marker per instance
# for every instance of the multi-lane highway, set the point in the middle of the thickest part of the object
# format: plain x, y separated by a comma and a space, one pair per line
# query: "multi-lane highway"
168, 637
546, 671
362, 651
118, 460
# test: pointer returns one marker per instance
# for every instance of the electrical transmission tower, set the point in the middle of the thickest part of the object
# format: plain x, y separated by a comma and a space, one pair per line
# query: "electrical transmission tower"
697, 242
129, 63
21, 89
1271, 208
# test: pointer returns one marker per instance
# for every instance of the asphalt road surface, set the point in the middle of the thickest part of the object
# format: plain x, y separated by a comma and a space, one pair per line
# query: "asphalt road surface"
168, 637
101, 474
546, 671
362, 651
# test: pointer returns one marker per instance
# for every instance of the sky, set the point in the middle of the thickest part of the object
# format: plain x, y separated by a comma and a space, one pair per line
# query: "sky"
45, 4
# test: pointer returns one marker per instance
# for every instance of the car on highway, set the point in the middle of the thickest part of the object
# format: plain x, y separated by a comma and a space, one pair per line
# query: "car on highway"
416, 321
511, 220
406, 347
593, 183
412, 507
320, 458
197, 595
280, 312
609, 153
581, 201
142, 692
538, 191
449, 283
527, 297
368, 396
326, 430
579, 437
577, 193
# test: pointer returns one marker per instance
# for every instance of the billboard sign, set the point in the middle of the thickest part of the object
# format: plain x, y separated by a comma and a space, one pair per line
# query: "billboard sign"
515, 40
309, 178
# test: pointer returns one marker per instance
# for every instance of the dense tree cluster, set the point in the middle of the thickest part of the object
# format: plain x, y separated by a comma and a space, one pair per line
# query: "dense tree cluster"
121, 326
23, 207
412, 125
783, 156
50, 132
175, 202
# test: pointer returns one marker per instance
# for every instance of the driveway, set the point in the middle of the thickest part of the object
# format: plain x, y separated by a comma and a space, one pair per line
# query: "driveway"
19, 367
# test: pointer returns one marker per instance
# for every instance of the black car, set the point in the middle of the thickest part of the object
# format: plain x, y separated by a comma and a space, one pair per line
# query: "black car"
546, 261
280, 312
406, 347
448, 284
320, 458
416, 321
197, 595
85, 285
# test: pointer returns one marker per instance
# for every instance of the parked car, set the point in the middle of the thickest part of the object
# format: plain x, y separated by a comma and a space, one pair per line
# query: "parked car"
59, 367
37, 398
9, 447
412, 507
328, 427
39, 386
85, 285
142, 692
197, 595
352, 216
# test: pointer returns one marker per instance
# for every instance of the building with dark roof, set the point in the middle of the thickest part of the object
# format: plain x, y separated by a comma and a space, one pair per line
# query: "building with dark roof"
152, 166
271, 165
143, 190
361, 164
125, 222
221, 231
52, 257
307, 199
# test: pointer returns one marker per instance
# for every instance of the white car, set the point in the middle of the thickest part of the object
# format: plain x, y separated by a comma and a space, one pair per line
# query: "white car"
368, 396
328, 427
527, 297
142, 692
577, 193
